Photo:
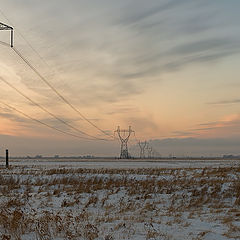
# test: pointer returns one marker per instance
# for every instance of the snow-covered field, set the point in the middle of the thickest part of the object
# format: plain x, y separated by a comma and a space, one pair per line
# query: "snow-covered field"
116, 163
120, 200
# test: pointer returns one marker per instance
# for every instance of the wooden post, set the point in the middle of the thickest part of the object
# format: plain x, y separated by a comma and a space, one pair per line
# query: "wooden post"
7, 165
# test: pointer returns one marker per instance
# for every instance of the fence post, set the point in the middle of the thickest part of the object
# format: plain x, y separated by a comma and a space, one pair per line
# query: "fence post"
7, 164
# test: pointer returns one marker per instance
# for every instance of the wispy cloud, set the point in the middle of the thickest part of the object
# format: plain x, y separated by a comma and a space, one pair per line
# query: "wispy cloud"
230, 125
111, 52
133, 15
183, 133
225, 102
8, 114
190, 146
123, 46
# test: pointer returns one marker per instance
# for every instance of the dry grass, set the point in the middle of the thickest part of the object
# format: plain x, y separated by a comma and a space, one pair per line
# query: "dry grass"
111, 203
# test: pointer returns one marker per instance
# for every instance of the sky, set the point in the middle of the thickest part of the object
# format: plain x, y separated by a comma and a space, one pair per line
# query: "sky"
168, 68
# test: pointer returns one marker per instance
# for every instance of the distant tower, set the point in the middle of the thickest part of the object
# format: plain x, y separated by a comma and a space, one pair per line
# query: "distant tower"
142, 146
124, 135
150, 150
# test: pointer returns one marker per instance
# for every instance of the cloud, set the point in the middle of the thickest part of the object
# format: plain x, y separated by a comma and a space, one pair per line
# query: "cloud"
50, 146
200, 46
141, 124
126, 44
228, 126
121, 109
132, 14
16, 118
183, 133
105, 52
196, 147
210, 123
225, 102
13, 117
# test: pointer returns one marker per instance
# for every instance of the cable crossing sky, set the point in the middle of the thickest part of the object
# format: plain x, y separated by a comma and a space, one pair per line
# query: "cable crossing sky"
43, 123
6, 27
48, 112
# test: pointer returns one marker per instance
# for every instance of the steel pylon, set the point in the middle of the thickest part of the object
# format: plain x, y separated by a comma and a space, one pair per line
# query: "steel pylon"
124, 135
142, 146
150, 151
6, 27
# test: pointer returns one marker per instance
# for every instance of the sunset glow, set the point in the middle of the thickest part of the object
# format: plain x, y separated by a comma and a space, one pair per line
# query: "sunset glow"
169, 69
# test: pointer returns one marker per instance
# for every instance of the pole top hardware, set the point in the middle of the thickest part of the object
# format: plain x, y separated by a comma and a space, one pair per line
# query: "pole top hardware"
5, 27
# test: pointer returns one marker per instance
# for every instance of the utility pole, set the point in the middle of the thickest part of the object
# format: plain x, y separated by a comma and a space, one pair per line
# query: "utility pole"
124, 135
5, 27
142, 146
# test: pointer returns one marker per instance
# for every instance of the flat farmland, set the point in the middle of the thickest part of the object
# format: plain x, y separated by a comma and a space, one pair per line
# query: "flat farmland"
114, 199
119, 163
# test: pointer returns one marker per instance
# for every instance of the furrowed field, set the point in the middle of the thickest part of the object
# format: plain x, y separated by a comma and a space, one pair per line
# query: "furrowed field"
137, 203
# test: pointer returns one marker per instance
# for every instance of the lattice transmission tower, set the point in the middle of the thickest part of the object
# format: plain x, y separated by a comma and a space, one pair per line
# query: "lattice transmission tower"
6, 27
124, 135
142, 146
150, 151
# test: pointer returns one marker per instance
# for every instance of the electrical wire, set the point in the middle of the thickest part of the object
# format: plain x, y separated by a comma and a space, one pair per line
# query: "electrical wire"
45, 110
4, 44
45, 80
56, 91
22, 36
42, 123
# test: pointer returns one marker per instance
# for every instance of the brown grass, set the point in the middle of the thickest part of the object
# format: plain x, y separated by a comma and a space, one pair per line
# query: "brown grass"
75, 194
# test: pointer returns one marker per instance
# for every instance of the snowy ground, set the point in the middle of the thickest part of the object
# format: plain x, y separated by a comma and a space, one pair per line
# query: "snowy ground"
132, 201
116, 163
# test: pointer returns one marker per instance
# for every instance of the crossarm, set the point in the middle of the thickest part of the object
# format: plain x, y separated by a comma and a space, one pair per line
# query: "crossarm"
5, 27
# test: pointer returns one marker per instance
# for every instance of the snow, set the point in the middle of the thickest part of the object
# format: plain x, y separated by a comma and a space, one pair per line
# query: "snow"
130, 200
126, 164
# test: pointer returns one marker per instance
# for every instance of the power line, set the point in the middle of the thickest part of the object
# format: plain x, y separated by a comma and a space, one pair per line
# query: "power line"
34, 69
57, 92
4, 44
42, 123
29, 44
45, 110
